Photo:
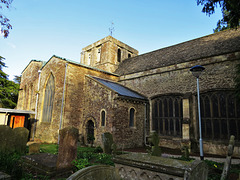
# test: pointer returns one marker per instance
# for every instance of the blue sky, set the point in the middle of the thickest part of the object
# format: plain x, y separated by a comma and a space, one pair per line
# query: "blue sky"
42, 28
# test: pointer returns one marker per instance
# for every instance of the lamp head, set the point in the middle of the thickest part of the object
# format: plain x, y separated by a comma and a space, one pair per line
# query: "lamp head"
197, 70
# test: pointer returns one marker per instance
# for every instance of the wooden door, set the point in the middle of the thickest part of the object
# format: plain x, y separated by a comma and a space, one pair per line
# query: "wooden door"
17, 121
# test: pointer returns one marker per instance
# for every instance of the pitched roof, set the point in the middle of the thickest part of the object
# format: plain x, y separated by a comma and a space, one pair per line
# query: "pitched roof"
212, 45
78, 64
120, 89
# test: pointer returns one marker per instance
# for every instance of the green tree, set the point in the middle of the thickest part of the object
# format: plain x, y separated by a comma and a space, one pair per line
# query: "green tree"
17, 79
230, 12
4, 21
8, 89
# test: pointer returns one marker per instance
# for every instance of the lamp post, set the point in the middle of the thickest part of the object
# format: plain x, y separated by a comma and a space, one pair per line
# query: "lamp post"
196, 71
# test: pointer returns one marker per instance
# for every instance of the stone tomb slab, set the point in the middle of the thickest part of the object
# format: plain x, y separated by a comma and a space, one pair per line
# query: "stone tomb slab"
45, 164
134, 166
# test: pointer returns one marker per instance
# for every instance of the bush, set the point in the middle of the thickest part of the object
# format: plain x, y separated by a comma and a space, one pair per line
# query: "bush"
10, 164
81, 163
104, 159
98, 150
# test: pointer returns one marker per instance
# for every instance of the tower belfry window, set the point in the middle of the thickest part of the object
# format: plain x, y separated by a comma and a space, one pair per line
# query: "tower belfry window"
119, 55
89, 59
98, 54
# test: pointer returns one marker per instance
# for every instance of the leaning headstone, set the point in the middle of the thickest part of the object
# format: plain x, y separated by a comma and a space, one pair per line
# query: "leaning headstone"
107, 141
227, 163
34, 148
21, 139
156, 150
67, 150
6, 139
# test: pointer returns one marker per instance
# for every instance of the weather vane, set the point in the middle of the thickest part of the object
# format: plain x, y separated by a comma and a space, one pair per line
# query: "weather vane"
111, 29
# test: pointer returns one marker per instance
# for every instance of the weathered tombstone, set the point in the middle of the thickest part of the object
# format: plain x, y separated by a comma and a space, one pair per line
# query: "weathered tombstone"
21, 139
13, 140
34, 148
114, 149
227, 163
185, 149
67, 150
107, 141
6, 139
156, 150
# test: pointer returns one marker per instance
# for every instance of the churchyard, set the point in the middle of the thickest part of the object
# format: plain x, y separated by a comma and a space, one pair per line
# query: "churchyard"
69, 160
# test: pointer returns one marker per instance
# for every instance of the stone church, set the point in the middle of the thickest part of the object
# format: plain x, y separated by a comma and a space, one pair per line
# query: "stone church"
113, 89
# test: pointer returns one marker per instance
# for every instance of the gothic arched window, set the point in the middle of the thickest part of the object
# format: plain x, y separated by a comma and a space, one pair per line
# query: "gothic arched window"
48, 100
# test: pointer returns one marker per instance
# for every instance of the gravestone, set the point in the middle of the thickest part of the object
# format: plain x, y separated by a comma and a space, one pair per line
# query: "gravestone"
13, 140
227, 163
107, 142
6, 139
185, 146
67, 150
34, 148
21, 139
156, 150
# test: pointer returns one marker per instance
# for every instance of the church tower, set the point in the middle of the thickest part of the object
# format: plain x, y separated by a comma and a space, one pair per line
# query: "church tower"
106, 54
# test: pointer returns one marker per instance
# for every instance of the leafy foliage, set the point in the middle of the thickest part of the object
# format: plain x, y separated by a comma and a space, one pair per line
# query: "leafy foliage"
88, 157
9, 163
17, 79
230, 12
5, 25
8, 89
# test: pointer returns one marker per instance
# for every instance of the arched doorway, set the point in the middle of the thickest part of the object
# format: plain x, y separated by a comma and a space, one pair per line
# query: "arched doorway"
90, 132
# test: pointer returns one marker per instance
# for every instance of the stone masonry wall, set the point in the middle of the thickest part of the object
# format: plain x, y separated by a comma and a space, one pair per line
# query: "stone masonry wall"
73, 97
28, 86
219, 74
108, 57
124, 135
99, 97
